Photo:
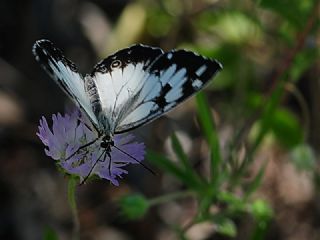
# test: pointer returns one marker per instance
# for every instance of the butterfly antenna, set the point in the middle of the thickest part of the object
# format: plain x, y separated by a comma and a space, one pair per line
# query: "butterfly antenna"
86, 177
89, 127
109, 165
82, 147
143, 165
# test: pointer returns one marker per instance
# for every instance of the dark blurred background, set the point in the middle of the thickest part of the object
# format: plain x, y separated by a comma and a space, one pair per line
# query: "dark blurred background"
260, 43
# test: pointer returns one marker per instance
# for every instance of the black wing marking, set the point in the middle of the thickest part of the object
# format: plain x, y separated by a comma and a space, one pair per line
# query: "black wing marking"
135, 54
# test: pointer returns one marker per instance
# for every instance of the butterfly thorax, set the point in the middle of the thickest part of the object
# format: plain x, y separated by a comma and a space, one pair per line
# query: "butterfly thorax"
107, 143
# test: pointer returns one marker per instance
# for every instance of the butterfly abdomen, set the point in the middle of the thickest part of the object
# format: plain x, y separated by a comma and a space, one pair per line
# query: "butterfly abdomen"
91, 90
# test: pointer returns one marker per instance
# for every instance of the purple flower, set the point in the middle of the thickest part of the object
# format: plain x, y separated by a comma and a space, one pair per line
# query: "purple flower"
70, 132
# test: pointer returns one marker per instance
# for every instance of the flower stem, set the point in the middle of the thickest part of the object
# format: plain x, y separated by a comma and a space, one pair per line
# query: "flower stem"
72, 183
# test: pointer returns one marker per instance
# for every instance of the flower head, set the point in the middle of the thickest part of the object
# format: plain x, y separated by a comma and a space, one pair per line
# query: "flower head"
65, 141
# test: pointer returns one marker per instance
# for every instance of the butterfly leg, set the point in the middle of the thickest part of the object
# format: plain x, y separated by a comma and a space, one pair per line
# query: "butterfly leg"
93, 166
107, 152
109, 165
82, 147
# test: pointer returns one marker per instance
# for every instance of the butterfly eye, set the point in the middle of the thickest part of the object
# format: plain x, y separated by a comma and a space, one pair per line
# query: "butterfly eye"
115, 64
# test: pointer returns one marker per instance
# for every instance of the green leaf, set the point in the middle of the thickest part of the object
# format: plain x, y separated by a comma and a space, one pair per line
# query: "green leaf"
183, 158
224, 224
256, 182
205, 201
179, 152
134, 206
304, 157
234, 203
261, 210
227, 228
263, 214
170, 167
228, 197
49, 234
210, 133
286, 128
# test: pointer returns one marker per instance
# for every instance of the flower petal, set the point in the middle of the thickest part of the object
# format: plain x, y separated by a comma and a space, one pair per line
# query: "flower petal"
72, 131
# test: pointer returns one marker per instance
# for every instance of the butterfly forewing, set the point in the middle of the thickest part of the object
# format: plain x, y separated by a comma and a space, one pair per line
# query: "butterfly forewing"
169, 80
65, 74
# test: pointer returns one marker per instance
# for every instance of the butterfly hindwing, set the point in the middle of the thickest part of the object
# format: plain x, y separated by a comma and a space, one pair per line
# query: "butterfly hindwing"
65, 74
169, 80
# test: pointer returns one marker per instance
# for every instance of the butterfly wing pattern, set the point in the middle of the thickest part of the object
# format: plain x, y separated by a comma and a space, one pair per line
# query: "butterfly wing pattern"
169, 80
131, 87
65, 74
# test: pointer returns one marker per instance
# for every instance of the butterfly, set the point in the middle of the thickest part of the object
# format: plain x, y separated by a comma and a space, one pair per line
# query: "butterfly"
131, 87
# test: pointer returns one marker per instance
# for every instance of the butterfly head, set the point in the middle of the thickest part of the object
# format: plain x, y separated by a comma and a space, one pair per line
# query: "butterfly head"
107, 142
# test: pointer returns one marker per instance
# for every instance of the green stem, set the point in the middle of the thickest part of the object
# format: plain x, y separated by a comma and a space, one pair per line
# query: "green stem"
170, 197
72, 183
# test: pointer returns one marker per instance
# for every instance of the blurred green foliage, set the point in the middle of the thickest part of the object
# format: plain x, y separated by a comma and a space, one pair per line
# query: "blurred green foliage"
49, 234
208, 191
265, 46
304, 157
295, 12
133, 206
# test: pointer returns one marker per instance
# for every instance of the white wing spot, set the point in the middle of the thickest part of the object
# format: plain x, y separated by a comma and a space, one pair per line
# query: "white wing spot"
196, 84
201, 70
169, 56
115, 64
168, 74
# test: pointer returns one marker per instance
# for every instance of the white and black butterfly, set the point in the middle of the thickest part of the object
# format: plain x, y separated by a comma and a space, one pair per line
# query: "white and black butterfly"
131, 87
